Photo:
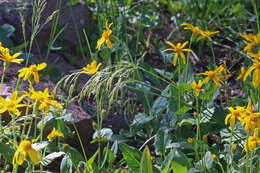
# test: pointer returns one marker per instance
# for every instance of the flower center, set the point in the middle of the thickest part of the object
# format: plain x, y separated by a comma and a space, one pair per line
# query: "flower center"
236, 113
33, 68
106, 35
177, 49
211, 74
26, 145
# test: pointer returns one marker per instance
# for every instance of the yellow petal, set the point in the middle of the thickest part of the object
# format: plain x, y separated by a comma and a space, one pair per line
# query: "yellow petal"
34, 156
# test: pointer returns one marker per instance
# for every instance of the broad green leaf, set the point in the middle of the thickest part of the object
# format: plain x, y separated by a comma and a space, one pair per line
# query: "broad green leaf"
146, 162
8, 30
75, 156
208, 160
132, 156
183, 110
66, 165
50, 157
162, 139
177, 167
7, 151
105, 133
140, 121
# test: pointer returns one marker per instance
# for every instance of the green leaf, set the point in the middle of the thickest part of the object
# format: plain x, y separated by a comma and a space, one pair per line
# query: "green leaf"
8, 30
66, 165
146, 162
132, 156
183, 110
51, 157
162, 139
7, 151
208, 160
75, 156
110, 155
176, 167
105, 133
140, 121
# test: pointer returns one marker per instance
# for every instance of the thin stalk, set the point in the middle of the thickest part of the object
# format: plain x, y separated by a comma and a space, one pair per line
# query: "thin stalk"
213, 53
247, 152
256, 14
198, 129
188, 58
80, 141
53, 28
251, 162
179, 93
229, 150
3, 75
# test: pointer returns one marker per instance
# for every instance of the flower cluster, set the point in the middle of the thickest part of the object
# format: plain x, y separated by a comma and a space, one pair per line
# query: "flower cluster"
249, 120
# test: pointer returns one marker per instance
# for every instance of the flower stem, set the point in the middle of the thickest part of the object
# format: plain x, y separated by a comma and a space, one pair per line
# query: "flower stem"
229, 150
251, 162
3, 76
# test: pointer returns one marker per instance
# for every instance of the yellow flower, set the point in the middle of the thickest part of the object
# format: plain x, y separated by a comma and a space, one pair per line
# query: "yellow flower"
55, 133
197, 87
195, 29
5, 56
225, 70
207, 34
256, 75
12, 104
44, 99
213, 156
252, 141
251, 121
252, 41
255, 55
242, 74
21, 152
234, 147
190, 140
105, 37
205, 138
235, 114
91, 68
215, 75
178, 49
27, 72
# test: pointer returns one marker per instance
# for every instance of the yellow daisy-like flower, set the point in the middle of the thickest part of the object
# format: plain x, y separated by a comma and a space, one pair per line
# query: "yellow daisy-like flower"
25, 148
178, 49
242, 74
256, 75
12, 104
27, 72
6, 57
197, 87
105, 37
195, 29
213, 156
91, 68
252, 141
235, 114
44, 99
207, 34
251, 121
252, 41
215, 75
55, 133
190, 140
